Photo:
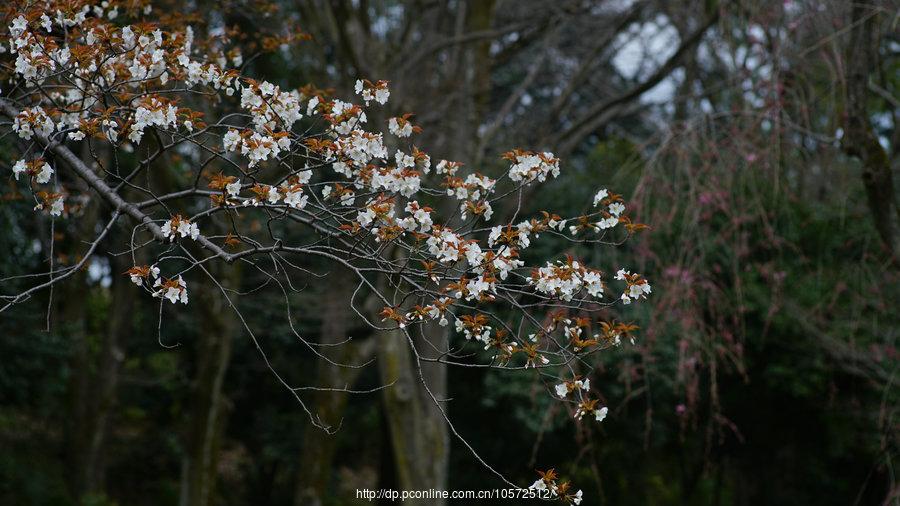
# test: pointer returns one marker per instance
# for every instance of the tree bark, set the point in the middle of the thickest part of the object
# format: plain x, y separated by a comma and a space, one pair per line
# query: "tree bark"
218, 326
318, 447
105, 383
71, 324
419, 437
94, 368
860, 139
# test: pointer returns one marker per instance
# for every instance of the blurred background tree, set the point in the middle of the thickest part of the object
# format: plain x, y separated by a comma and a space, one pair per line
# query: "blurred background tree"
758, 139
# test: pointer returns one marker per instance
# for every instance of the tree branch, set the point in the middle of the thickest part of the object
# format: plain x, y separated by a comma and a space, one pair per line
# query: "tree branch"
108, 194
598, 115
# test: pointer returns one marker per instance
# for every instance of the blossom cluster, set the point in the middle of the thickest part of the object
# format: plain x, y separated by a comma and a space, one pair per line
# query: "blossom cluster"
548, 482
529, 166
565, 279
179, 226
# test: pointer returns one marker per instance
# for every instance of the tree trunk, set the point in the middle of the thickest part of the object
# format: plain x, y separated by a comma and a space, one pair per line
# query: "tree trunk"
206, 419
419, 436
860, 139
71, 317
71, 324
419, 440
318, 446
102, 395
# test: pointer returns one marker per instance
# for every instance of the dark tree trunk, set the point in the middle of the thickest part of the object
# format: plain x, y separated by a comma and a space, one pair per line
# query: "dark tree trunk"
102, 395
71, 324
860, 139
419, 436
88, 381
316, 460
218, 326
